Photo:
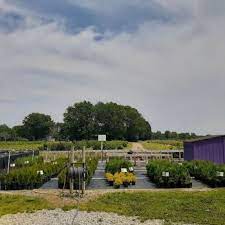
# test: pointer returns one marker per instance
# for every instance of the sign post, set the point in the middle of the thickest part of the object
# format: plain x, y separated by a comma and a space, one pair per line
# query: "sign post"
102, 138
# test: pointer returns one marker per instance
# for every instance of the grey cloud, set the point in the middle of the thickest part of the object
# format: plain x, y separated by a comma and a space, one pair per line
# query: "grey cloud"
173, 73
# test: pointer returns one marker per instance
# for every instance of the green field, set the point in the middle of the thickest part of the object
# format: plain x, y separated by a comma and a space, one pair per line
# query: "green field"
198, 207
206, 207
41, 145
11, 204
20, 145
162, 145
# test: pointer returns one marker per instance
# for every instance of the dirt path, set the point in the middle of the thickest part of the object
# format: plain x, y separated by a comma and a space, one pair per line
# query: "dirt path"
136, 146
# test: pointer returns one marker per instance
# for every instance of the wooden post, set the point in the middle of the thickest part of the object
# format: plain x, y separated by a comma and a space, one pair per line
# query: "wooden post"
102, 150
84, 165
33, 156
8, 162
72, 164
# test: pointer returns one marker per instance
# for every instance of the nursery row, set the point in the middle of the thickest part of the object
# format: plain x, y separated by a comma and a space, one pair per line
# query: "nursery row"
115, 164
30, 175
207, 172
91, 166
121, 178
166, 174
27, 161
119, 172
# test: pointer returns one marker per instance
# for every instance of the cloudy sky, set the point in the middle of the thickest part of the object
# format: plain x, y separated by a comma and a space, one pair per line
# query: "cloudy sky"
164, 57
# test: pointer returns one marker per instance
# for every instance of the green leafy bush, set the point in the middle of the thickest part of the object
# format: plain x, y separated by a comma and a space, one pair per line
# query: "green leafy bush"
115, 164
179, 176
28, 177
207, 172
28, 161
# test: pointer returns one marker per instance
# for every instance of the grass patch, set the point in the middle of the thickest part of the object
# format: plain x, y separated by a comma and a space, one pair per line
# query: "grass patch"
187, 207
11, 204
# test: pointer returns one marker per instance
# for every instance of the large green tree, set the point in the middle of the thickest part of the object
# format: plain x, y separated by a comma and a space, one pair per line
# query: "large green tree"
85, 121
37, 126
78, 121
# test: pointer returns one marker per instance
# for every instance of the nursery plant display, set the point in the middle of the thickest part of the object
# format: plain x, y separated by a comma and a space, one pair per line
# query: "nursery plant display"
30, 175
115, 177
207, 172
166, 174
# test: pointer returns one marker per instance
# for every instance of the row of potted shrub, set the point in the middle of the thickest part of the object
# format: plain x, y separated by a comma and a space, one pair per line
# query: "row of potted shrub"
114, 174
166, 174
207, 172
91, 165
115, 164
32, 176
28, 161
121, 178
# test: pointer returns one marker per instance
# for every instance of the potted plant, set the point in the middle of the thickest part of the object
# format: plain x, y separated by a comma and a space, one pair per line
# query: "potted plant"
126, 181
117, 182
109, 178
133, 179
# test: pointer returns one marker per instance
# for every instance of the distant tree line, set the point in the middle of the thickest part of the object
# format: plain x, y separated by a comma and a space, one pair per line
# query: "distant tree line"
172, 135
83, 121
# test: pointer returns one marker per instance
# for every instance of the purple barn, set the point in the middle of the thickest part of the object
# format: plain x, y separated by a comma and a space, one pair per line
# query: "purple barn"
210, 148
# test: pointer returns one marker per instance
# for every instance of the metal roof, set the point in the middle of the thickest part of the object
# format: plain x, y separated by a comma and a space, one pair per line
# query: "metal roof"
205, 138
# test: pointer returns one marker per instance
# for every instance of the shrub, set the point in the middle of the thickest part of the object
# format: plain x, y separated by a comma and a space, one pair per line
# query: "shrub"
206, 172
114, 165
28, 161
120, 178
179, 176
28, 177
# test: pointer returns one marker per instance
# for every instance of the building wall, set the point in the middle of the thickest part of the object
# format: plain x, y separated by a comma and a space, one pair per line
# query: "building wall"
188, 151
211, 149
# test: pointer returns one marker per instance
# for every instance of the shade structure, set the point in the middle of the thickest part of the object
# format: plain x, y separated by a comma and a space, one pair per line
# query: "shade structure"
210, 148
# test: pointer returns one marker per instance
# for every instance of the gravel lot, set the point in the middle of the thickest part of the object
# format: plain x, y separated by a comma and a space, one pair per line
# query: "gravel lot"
59, 217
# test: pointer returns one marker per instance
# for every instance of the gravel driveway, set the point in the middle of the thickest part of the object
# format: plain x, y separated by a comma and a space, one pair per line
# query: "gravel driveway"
59, 217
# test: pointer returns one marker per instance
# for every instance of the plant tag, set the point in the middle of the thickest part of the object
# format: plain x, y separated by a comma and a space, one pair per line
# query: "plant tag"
41, 172
220, 174
131, 169
165, 174
124, 170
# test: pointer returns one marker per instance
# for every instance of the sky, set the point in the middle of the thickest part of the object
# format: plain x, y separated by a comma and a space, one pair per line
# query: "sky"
164, 57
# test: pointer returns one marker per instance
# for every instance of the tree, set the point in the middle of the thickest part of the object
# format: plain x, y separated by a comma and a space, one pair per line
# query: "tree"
19, 132
137, 126
78, 121
110, 119
85, 121
37, 126
167, 134
5, 132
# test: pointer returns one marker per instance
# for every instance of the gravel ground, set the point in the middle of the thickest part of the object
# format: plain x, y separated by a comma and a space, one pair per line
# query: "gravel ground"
59, 217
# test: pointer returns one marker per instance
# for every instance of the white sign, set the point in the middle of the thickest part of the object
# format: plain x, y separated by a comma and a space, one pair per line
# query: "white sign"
124, 170
165, 174
41, 172
220, 174
101, 137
